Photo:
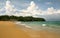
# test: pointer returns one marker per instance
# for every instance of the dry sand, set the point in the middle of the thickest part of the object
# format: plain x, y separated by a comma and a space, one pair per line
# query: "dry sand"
11, 30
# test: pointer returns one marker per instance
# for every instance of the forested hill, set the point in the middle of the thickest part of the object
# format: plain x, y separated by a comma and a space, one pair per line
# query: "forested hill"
20, 18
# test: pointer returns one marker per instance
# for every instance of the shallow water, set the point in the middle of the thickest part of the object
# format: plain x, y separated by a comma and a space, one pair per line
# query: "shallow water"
41, 29
53, 26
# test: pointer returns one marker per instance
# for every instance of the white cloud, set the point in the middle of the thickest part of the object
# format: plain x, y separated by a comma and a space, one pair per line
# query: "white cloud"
58, 11
35, 11
50, 11
1, 9
10, 9
31, 10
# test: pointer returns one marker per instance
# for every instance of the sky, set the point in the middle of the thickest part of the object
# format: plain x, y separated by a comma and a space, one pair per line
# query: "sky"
47, 9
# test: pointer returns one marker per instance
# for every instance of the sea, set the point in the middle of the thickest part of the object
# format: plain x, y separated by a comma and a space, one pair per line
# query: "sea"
51, 26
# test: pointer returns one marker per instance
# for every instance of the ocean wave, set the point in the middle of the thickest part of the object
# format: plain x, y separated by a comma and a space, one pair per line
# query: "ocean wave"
20, 23
48, 27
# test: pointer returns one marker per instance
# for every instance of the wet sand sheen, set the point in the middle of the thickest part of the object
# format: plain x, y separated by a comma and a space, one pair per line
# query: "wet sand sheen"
11, 30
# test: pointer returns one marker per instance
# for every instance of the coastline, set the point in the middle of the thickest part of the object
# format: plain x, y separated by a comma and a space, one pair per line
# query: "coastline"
9, 29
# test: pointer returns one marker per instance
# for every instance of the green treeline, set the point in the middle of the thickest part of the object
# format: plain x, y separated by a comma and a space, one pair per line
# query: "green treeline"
20, 18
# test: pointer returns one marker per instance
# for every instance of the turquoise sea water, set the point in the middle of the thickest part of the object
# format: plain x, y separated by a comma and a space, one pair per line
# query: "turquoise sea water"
57, 23
49, 25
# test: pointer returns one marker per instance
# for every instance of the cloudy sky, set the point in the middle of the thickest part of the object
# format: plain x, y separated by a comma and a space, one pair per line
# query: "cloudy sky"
48, 9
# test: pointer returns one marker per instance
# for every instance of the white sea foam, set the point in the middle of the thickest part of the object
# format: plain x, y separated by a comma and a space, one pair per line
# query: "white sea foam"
44, 25
49, 27
19, 23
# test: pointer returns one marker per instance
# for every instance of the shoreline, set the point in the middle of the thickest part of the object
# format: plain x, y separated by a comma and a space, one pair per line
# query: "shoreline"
9, 29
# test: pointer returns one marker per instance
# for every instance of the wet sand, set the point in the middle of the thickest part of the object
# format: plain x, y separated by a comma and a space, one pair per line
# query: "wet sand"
9, 29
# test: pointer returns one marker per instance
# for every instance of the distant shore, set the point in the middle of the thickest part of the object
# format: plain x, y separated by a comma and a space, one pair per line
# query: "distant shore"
20, 18
9, 29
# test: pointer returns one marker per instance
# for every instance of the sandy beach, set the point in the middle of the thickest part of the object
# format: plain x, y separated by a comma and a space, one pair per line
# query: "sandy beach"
9, 29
